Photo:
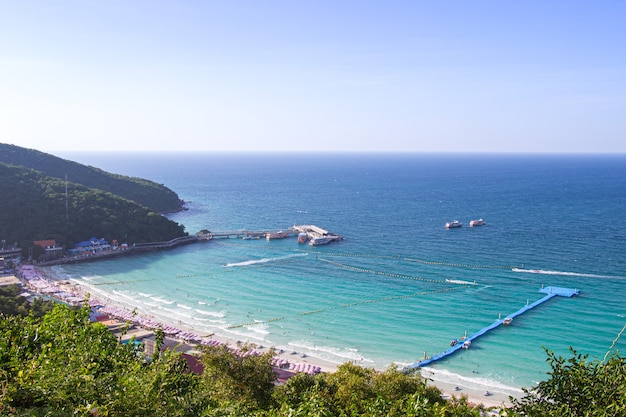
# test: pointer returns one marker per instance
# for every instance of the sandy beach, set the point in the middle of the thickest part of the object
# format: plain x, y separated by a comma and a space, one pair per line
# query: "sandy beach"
40, 282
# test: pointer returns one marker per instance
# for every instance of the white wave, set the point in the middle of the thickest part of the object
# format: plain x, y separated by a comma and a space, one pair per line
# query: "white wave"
143, 294
329, 353
475, 383
177, 313
184, 306
571, 274
162, 301
263, 260
258, 329
241, 335
90, 277
124, 295
202, 303
211, 313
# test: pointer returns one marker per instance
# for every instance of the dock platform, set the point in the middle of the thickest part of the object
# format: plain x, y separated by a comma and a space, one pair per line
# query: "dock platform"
315, 232
550, 293
311, 231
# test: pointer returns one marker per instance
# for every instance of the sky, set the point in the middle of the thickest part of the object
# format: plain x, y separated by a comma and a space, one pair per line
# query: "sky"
313, 75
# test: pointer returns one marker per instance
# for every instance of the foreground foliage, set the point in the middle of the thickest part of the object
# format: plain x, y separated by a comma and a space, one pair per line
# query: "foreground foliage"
61, 364
11, 303
578, 387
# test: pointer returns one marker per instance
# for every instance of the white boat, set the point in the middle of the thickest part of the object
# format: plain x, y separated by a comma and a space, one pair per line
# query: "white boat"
302, 237
452, 225
250, 237
467, 344
479, 222
507, 321
319, 241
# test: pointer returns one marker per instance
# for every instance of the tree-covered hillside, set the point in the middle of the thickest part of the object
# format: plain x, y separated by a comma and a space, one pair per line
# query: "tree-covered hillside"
36, 207
156, 197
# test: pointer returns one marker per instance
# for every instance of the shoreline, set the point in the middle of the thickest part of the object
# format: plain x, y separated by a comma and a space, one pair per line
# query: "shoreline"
74, 293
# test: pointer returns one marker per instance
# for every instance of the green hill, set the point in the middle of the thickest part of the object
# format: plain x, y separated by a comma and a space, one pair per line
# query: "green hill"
156, 197
36, 207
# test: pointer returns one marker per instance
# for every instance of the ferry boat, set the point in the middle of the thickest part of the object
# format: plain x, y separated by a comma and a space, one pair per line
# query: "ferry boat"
452, 225
316, 241
302, 237
479, 222
277, 235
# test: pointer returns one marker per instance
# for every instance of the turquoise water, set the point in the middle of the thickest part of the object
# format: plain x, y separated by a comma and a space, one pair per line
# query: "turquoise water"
381, 296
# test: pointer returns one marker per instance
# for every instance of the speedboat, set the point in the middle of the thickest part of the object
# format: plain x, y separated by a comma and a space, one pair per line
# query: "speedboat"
452, 225
479, 222
507, 321
467, 344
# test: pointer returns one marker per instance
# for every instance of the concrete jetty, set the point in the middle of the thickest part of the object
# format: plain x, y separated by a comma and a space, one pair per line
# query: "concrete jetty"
313, 232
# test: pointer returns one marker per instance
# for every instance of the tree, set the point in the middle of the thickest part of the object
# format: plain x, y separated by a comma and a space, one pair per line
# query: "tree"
578, 387
242, 379
64, 365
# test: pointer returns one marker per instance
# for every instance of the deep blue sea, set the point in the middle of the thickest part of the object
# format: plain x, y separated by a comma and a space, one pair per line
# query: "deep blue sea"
381, 296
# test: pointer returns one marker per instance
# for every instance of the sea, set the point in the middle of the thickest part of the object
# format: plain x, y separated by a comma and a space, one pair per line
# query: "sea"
400, 286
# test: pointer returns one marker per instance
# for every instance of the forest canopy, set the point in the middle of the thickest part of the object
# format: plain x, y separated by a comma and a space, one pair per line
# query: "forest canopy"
156, 197
35, 206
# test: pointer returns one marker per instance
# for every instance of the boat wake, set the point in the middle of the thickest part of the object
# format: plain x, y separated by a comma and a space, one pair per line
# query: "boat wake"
460, 282
263, 260
564, 273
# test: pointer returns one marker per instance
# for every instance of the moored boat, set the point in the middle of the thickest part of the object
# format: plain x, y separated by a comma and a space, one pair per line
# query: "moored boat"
507, 321
277, 235
479, 222
319, 241
302, 237
452, 225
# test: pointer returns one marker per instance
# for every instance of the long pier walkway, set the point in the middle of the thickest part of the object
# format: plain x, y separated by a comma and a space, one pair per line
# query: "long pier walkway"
550, 293
312, 232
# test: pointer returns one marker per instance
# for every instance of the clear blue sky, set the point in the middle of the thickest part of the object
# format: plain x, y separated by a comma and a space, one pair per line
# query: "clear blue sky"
418, 76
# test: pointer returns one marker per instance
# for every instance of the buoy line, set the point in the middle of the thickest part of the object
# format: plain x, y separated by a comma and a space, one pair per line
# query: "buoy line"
355, 255
380, 300
132, 281
421, 261
206, 274
235, 326
401, 276
459, 265
356, 303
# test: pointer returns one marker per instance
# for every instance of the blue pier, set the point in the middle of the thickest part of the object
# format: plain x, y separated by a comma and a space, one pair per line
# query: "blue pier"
550, 293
